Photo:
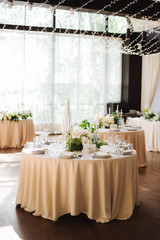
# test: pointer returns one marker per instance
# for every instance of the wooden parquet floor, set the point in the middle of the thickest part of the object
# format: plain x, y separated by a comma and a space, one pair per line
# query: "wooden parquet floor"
15, 223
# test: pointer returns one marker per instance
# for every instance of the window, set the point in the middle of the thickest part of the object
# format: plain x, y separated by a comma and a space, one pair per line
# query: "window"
41, 70
117, 24
20, 15
80, 20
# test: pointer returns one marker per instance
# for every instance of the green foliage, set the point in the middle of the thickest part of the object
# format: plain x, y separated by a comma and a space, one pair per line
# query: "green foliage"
100, 122
15, 117
99, 144
25, 116
116, 118
73, 144
148, 114
86, 125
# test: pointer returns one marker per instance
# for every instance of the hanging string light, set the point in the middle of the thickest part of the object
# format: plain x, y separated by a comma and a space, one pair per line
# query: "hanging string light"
132, 46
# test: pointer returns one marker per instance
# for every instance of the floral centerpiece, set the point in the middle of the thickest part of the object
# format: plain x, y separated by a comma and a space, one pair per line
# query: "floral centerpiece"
26, 114
106, 121
148, 113
157, 117
74, 141
15, 115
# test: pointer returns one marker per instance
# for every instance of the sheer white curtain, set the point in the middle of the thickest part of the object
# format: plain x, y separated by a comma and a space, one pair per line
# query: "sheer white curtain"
40, 71
26, 74
150, 77
86, 74
156, 101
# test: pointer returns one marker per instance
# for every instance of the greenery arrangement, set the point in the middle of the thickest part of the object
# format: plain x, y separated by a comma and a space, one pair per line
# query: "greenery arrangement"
157, 117
74, 142
148, 113
116, 117
87, 125
15, 116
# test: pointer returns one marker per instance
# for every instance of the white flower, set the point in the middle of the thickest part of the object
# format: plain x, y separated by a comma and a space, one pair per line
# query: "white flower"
107, 124
76, 133
109, 119
149, 111
14, 113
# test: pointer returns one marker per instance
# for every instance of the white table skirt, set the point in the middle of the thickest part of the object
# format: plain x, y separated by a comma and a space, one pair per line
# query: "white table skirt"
16, 134
152, 132
103, 189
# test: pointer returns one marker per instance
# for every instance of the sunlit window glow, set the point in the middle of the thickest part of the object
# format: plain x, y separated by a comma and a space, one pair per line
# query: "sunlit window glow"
41, 70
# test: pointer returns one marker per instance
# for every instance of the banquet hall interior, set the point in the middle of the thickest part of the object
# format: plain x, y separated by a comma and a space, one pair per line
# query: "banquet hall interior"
80, 120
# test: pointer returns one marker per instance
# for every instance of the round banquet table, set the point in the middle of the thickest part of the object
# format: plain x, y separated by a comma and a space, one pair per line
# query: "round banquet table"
136, 137
103, 189
151, 130
16, 134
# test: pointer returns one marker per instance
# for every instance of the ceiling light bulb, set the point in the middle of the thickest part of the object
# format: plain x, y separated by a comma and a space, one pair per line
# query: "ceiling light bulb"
72, 11
10, 4
51, 9
30, 6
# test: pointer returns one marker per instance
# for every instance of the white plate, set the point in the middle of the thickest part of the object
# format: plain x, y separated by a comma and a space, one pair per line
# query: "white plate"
102, 155
66, 155
116, 130
127, 152
132, 129
38, 151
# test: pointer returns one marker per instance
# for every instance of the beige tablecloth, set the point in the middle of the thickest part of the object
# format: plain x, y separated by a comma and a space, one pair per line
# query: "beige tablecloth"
152, 132
103, 189
16, 134
135, 137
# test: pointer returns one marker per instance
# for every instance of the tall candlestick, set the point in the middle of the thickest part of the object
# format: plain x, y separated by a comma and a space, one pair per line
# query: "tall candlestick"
121, 113
117, 108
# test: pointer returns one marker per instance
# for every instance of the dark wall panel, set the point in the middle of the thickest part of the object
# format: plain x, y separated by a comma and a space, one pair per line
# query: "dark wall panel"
131, 82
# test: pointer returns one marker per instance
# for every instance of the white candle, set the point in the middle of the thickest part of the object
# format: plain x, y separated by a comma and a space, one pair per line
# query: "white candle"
63, 130
117, 108
109, 110
121, 113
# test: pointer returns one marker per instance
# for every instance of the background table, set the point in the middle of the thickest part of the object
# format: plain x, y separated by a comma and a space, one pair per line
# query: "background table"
16, 134
152, 132
135, 137
103, 189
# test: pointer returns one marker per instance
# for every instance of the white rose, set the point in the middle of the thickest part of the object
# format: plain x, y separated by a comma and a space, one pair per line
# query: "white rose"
90, 136
75, 134
14, 113
85, 132
150, 111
